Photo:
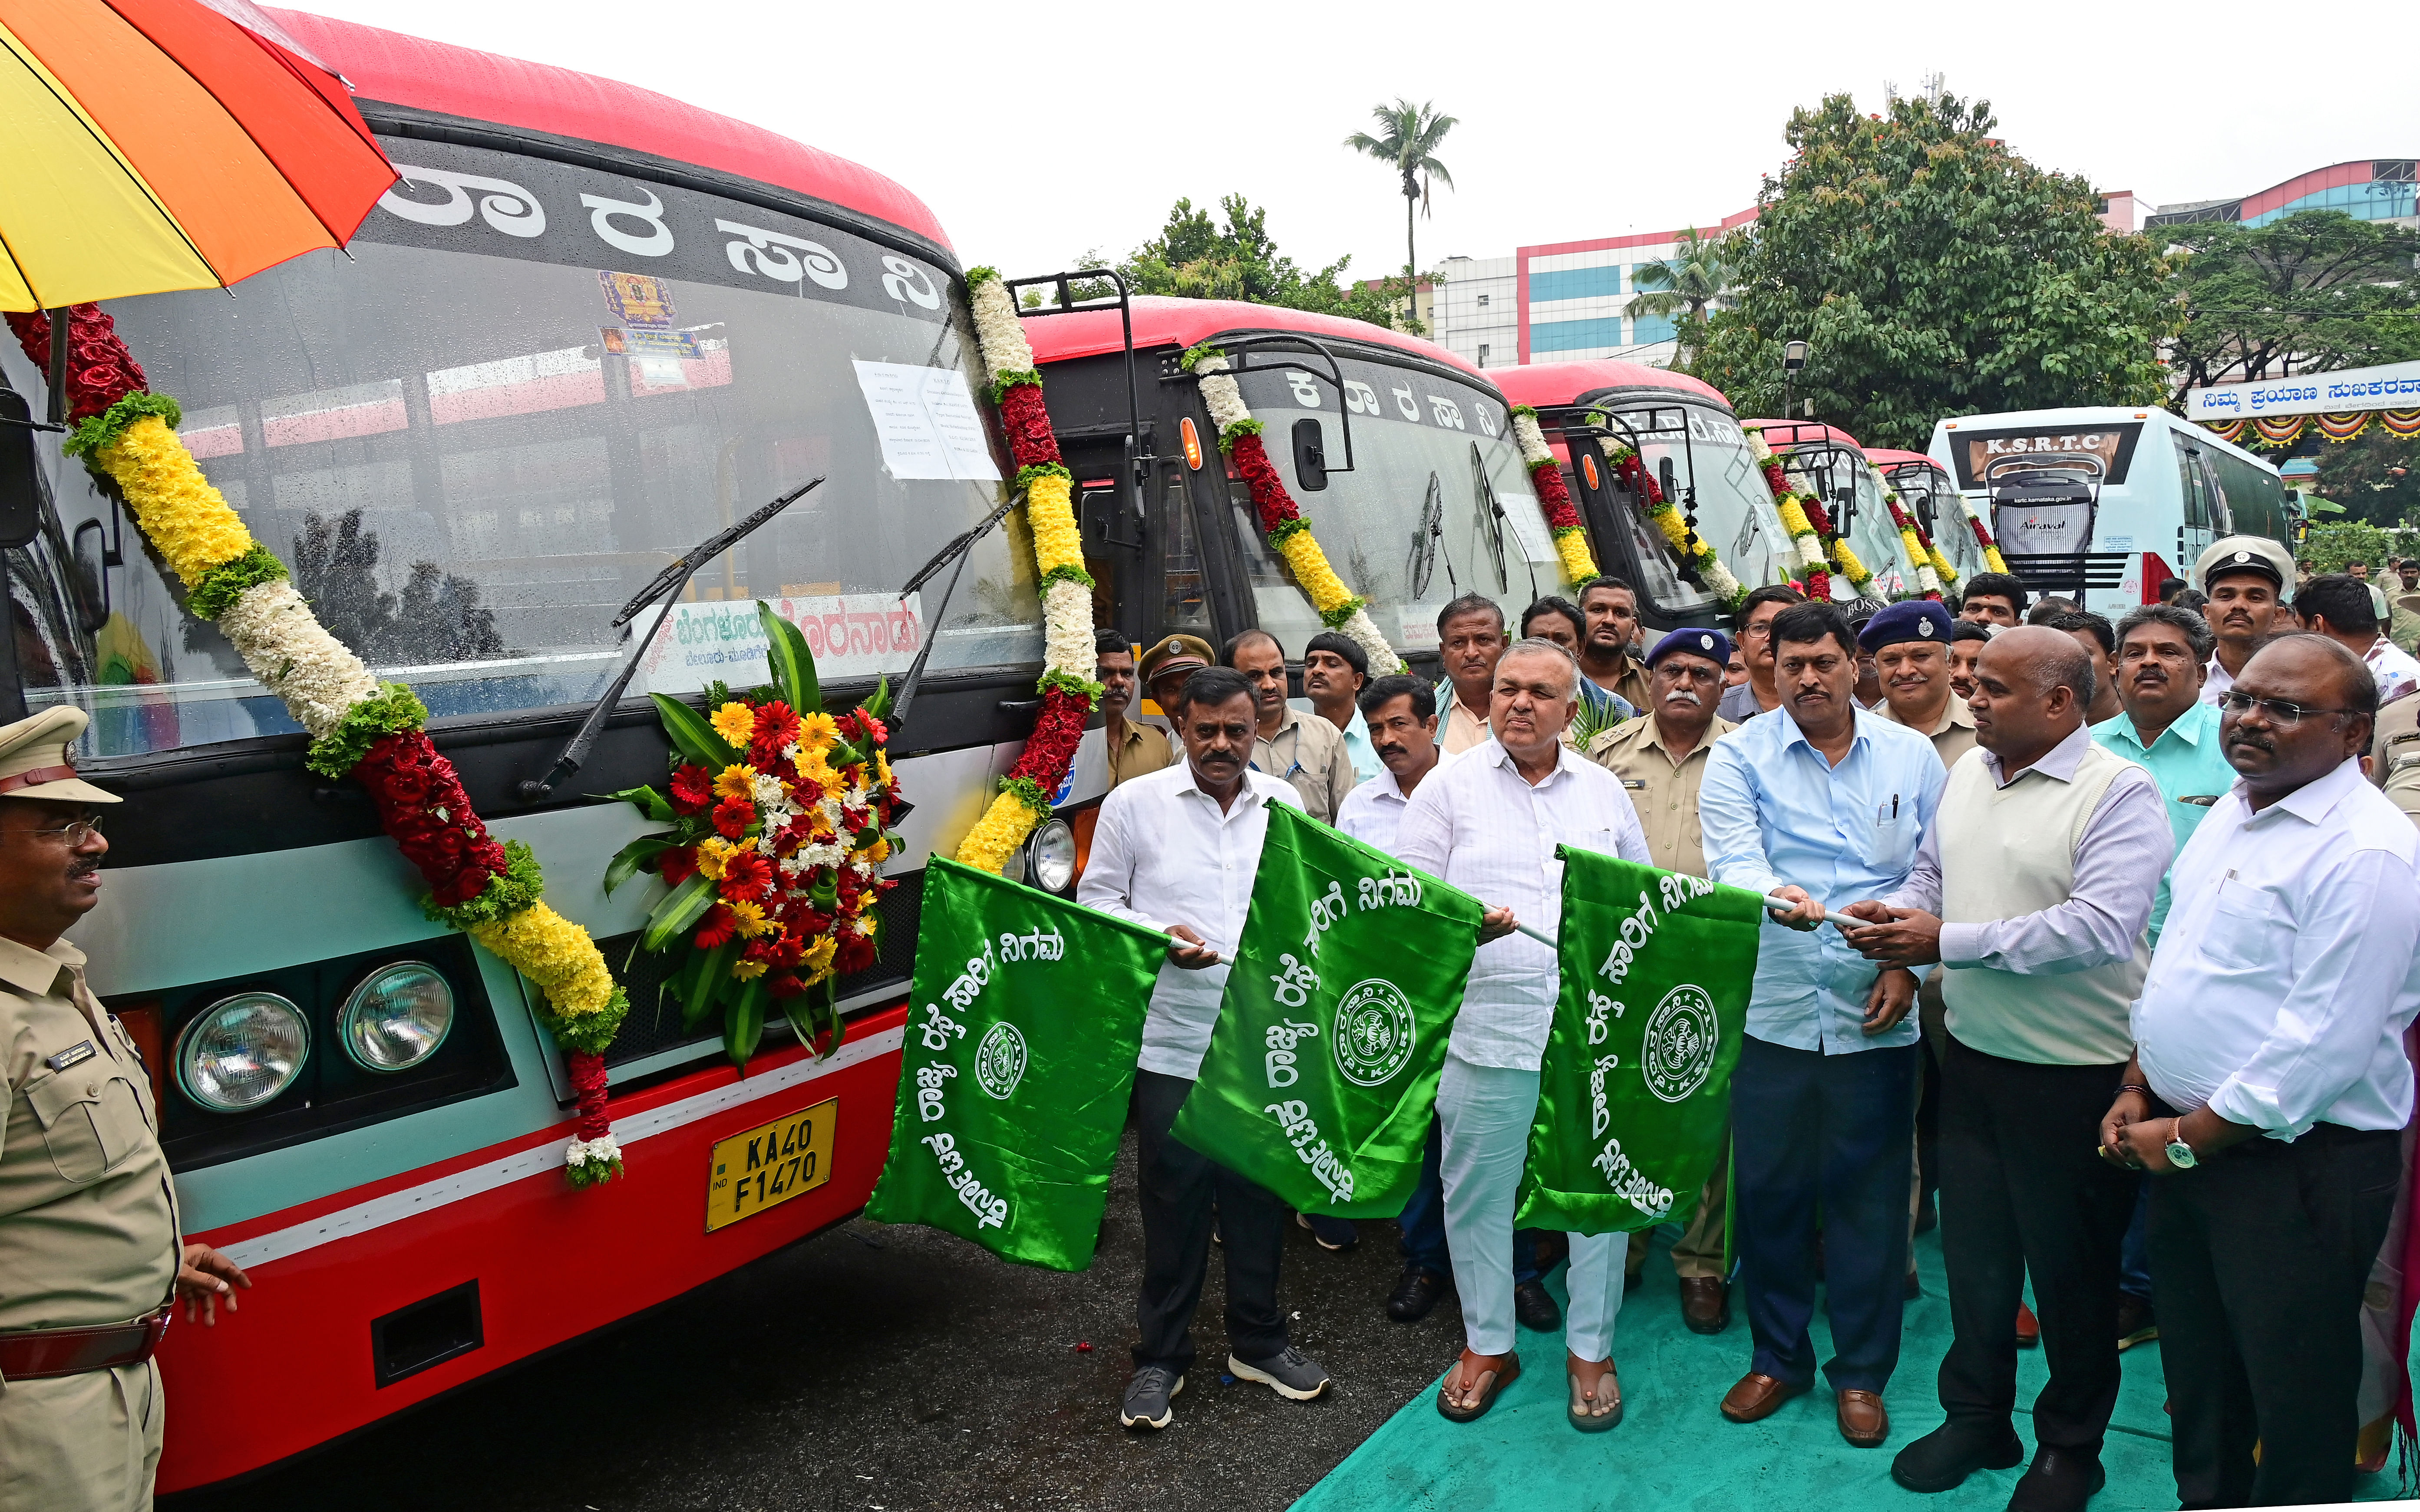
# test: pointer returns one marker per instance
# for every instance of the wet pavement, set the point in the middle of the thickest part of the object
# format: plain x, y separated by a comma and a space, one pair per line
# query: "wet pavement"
894, 1367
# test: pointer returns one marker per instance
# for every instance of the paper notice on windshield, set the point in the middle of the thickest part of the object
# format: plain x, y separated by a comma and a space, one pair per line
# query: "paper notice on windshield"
1528, 525
927, 421
851, 635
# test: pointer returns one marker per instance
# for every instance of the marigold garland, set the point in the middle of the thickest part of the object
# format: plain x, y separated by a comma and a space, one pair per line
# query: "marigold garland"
359, 727
1554, 497
1809, 525
1281, 521
1695, 552
1930, 566
1068, 692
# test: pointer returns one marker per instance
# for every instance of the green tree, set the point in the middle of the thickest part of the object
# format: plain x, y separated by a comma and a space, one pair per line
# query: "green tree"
1687, 282
1407, 142
2375, 476
1934, 272
2314, 291
2335, 545
1232, 256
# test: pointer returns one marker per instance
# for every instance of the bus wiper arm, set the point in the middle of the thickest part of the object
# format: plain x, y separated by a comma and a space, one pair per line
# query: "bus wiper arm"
957, 551
666, 586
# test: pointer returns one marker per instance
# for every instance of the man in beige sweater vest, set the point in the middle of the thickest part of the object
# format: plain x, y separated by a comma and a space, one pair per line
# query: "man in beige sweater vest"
2031, 890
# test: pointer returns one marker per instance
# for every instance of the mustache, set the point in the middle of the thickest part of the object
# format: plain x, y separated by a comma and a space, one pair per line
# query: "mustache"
81, 868
1684, 695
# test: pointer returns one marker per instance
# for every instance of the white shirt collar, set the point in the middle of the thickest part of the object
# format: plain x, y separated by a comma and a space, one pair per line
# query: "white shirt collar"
2059, 762
2315, 800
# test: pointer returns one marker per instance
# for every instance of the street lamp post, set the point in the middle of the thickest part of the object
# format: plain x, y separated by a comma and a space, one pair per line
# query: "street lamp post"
1794, 356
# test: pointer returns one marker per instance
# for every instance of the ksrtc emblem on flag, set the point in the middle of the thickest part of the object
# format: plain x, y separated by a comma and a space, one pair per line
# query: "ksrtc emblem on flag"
1374, 1032
1000, 1060
1681, 1041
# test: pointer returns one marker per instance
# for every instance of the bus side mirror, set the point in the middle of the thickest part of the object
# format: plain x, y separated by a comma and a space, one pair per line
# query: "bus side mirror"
1309, 456
20, 486
1666, 476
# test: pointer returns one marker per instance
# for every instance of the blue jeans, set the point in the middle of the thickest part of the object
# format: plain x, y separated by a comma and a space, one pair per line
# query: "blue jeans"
1424, 1223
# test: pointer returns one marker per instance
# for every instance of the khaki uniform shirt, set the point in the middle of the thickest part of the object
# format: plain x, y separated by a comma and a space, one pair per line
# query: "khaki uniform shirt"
1309, 752
1461, 729
1663, 790
1953, 734
2395, 754
1632, 684
1145, 750
88, 1231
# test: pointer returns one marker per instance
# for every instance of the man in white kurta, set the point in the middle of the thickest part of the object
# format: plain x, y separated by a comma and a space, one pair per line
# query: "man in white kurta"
1488, 821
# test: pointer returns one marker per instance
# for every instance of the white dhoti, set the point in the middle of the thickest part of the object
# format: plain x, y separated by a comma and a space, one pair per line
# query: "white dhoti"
1486, 1112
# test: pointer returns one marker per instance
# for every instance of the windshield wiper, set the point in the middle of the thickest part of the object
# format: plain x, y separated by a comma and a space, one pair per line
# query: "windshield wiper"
958, 550
666, 587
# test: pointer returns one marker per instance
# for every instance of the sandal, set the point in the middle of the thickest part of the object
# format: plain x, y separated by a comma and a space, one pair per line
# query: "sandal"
1581, 1418
1491, 1382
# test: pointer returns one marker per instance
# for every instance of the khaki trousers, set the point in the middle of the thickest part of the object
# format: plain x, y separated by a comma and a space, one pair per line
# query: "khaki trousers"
1699, 1251
86, 1443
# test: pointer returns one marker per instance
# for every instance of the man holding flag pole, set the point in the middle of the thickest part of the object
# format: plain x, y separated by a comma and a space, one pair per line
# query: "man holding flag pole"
1488, 824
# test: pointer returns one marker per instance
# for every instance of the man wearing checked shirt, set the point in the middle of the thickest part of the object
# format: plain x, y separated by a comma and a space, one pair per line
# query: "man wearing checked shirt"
1822, 806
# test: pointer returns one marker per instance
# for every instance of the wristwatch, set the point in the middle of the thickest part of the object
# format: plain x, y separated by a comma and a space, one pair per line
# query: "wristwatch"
2180, 1154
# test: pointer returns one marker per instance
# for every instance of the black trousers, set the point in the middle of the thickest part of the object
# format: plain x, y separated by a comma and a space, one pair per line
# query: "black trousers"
2259, 1259
1809, 1129
1178, 1186
2022, 1189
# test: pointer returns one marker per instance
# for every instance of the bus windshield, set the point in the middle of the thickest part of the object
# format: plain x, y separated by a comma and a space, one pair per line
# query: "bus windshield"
1734, 508
1842, 477
1416, 523
477, 438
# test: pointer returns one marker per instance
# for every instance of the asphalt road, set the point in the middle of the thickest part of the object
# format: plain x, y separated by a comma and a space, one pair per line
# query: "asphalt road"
894, 1367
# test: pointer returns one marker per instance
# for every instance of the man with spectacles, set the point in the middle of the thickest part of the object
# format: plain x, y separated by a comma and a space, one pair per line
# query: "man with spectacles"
89, 1245
1661, 761
2268, 1087
1743, 701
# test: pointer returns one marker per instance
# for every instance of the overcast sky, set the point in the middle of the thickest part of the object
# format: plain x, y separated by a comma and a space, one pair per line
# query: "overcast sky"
1038, 130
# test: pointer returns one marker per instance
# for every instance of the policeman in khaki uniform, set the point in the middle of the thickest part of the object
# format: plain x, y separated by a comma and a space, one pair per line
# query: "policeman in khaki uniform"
2395, 754
89, 1252
1661, 758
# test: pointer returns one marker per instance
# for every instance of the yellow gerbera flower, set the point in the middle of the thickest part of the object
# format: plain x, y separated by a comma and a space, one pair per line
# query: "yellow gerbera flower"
735, 781
748, 971
750, 918
711, 853
817, 731
816, 963
735, 722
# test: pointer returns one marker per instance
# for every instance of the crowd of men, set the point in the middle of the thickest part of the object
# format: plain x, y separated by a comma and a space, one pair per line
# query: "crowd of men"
2100, 956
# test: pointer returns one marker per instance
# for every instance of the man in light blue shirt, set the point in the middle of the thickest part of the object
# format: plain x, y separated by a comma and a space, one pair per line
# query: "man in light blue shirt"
1824, 805
2162, 652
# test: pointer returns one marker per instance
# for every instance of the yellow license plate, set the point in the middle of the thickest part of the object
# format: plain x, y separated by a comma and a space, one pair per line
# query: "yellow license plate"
769, 1164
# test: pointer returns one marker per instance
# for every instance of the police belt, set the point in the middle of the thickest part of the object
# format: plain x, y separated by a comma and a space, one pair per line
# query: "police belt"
40, 1354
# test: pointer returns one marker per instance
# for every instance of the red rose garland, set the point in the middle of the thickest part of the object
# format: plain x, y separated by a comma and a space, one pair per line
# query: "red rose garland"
100, 369
1270, 501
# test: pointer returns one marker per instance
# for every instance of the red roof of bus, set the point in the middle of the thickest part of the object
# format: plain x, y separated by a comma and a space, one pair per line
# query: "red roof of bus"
1160, 321
1801, 433
1545, 383
1883, 456
488, 87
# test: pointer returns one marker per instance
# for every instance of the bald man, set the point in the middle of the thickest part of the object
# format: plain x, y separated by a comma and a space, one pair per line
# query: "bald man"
2030, 895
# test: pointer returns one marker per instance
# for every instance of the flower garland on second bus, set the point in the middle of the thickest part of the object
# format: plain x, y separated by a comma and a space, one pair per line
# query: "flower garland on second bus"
1067, 688
358, 726
1809, 526
1695, 553
1553, 495
1281, 520
1932, 569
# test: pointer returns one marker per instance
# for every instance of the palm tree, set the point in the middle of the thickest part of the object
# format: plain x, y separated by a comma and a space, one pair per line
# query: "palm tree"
1408, 145
1690, 279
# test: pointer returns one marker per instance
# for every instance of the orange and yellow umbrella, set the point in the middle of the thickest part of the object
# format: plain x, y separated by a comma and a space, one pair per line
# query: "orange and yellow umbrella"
156, 144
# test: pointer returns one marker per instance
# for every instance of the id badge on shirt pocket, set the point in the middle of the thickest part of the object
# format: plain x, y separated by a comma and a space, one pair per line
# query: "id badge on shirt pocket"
90, 1117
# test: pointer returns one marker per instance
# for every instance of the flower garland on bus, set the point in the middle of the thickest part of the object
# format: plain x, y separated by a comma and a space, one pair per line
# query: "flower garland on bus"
1932, 568
1554, 497
1809, 524
359, 727
1281, 521
1993, 561
781, 822
1067, 688
1696, 554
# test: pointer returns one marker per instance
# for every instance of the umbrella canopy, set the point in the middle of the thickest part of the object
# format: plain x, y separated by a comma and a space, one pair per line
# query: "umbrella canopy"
157, 145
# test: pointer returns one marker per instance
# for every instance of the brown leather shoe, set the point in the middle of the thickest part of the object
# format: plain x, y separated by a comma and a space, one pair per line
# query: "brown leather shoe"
1757, 1396
2028, 1327
1705, 1303
1863, 1422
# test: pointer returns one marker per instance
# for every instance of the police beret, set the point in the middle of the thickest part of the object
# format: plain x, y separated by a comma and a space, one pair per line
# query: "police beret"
1711, 645
1916, 619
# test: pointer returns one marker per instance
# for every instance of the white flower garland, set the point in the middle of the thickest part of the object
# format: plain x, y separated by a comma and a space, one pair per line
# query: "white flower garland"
283, 645
1219, 391
1000, 332
1531, 440
1068, 630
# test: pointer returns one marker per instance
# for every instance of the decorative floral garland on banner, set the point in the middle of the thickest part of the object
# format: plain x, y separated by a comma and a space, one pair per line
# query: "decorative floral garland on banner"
358, 726
1281, 520
1554, 497
1067, 688
1698, 558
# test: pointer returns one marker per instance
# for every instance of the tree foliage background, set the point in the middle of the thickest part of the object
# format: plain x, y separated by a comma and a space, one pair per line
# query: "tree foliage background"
1934, 272
2309, 293
1231, 256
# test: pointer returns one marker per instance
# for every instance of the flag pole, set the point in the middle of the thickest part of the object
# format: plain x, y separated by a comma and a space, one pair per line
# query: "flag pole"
1779, 906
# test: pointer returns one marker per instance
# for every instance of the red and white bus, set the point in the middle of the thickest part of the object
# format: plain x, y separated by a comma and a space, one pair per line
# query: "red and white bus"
591, 327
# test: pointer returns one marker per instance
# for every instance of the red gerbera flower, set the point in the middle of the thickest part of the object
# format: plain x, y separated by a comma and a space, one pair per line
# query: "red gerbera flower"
746, 875
677, 865
785, 984
873, 726
856, 954
692, 789
732, 816
717, 927
776, 725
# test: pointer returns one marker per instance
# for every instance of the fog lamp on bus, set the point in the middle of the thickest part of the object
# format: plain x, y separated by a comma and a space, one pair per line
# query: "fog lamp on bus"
1050, 856
241, 1051
398, 1017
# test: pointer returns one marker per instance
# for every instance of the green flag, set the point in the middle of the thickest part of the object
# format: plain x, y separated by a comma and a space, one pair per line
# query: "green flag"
1322, 1072
1635, 1086
1024, 1022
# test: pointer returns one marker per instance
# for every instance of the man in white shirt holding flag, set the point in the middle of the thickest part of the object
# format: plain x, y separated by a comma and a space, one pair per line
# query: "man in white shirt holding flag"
1488, 821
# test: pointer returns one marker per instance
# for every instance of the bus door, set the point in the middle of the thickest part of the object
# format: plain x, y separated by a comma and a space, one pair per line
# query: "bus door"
2043, 511
2203, 504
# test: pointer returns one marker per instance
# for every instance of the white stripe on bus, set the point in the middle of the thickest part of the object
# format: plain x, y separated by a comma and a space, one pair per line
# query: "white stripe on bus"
429, 1195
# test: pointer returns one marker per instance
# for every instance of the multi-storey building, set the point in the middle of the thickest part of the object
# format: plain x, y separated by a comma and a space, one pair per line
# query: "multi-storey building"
1560, 301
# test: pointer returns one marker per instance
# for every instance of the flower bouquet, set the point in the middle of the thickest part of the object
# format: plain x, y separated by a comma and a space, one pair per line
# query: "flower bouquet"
780, 818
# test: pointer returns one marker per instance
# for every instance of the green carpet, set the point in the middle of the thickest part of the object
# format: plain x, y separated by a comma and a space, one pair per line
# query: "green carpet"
1674, 1450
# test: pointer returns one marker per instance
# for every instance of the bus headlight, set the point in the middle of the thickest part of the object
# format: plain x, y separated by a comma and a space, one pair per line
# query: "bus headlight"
1051, 865
240, 1052
398, 1017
